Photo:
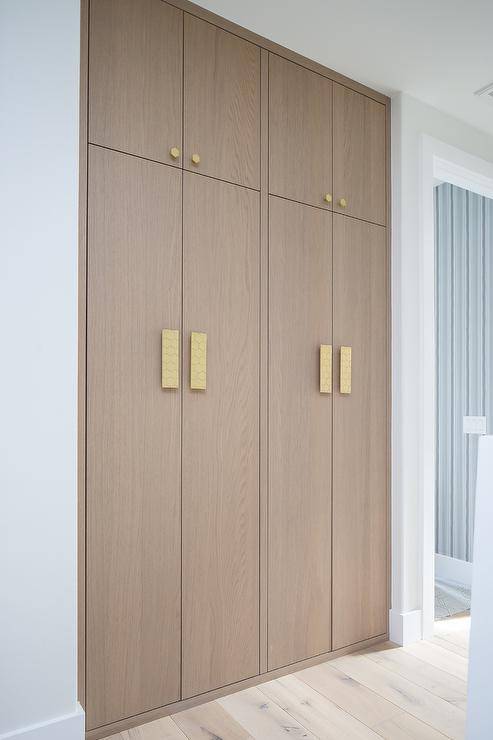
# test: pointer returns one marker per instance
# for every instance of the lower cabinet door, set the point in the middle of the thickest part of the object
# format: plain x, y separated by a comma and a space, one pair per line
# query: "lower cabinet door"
133, 438
300, 433
360, 513
220, 513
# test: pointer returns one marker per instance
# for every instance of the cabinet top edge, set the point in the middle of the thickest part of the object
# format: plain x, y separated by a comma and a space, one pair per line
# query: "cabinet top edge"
282, 51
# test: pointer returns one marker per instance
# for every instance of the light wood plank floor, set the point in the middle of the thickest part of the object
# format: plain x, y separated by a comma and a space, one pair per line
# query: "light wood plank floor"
415, 692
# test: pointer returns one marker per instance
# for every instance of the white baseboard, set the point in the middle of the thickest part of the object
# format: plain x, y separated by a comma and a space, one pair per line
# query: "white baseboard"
66, 727
405, 627
453, 570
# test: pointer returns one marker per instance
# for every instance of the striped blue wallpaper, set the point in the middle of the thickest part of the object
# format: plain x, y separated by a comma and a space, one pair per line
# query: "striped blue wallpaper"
464, 315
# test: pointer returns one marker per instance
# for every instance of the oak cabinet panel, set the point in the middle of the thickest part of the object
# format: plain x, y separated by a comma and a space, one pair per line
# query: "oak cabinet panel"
300, 133
135, 77
359, 155
222, 104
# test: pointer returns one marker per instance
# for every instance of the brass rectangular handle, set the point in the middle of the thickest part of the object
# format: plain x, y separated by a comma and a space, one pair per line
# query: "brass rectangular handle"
170, 358
325, 368
345, 377
198, 361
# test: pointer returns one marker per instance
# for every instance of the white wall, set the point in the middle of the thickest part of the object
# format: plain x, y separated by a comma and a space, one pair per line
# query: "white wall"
411, 119
39, 58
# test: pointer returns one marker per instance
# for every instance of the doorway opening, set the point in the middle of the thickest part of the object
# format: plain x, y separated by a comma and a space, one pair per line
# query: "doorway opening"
464, 371
454, 374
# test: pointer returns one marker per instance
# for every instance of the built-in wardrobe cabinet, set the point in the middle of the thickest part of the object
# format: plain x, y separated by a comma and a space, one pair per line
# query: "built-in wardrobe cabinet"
234, 319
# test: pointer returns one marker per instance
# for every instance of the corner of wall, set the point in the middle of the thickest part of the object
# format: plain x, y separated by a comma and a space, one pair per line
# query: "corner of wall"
66, 727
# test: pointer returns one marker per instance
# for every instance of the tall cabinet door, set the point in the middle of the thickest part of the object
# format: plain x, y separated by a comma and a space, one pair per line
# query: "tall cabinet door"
300, 433
359, 156
135, 78
220, 435
133, 438
360, 511
222, 104
300, 133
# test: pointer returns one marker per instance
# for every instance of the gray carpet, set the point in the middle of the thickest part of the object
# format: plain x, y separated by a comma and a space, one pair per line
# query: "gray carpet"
451, 599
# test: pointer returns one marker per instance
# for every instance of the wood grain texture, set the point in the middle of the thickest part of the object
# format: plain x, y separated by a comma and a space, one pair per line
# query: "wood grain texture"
263, 718
300, 319
317, 713
359, 586
161, 729
221, 104
133, 452
264, 353
184, 704
221, 436
360, 155
300, 133
135, 77
210, 721
416, 701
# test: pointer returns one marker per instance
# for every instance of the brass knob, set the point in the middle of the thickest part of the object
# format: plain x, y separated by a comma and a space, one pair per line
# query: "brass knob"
195, 158
328, 197
343, 202
175, 152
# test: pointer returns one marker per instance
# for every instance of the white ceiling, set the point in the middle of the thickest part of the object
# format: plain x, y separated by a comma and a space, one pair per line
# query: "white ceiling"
440, 51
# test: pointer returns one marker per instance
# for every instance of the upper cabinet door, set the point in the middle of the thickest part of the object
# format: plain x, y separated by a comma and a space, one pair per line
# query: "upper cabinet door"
359, 156
222, 104
300, 133
135, 78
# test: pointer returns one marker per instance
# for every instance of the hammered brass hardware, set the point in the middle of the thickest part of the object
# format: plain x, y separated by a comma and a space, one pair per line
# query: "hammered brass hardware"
196, 158
328, 198
175, 152
343, 202
198, 361
345, 377
325, 368
170, 358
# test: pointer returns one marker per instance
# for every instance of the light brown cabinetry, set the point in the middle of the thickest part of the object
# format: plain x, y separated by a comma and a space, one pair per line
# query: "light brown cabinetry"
222, 104
221, 436
360, 166
300, 433
133, 440
300, 133
360, 508
135, 77
235, 524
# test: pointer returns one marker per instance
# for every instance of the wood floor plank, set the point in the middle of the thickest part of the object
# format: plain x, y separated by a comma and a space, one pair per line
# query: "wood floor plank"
431, 709
210, 721
404, 726
444, 642
439, 657
160, 729
314, 711
444, 685
349, 694
263, 718
460, 623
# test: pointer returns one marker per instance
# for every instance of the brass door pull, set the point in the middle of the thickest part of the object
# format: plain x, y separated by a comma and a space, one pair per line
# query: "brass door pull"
170, 358
196, 158
198, 361
345, 370
328, 198
343, 202
175, 152
325, 368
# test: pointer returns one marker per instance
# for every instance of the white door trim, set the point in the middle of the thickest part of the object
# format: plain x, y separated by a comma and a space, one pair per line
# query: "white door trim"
439, 161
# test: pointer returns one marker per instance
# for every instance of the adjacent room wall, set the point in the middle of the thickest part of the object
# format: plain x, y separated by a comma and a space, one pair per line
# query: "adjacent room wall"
410, 120
39, 58
464, 313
